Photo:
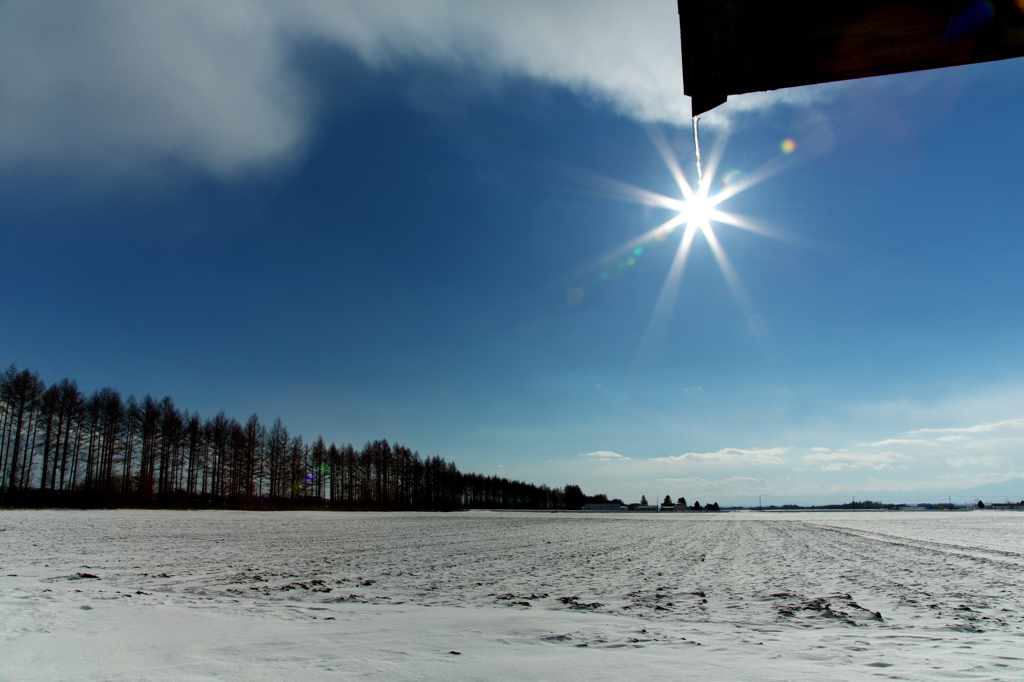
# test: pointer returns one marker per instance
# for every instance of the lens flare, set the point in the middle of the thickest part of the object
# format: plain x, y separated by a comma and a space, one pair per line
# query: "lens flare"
788, 146
733, 177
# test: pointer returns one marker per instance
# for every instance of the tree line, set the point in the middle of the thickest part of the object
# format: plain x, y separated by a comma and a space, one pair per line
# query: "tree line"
59, 446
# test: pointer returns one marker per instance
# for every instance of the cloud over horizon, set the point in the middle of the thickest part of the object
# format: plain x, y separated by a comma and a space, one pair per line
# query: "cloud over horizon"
945, 459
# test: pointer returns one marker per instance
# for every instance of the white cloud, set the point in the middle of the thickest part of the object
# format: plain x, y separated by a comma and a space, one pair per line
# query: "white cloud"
729, 456
992, 443
733, 486
122, 85
989, 461
119, 85
696, 481
745, 480
851, 461
803, 97
605, 456
115, 85
895, 441
1009, 424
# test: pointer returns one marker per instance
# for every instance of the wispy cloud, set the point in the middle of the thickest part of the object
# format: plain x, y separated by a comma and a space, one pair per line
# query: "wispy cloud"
605, 456
994, 443
1006, 424
733, 485
986, 461
728, 456
851, 461
895, 441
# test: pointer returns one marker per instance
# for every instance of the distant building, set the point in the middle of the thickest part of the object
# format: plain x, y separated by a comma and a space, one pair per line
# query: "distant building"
636, 506
1007, 506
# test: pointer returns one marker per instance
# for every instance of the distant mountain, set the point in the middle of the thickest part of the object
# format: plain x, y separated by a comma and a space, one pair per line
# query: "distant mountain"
1007, 491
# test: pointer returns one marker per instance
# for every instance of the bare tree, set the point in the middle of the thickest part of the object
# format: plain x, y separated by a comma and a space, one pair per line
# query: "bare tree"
20, 391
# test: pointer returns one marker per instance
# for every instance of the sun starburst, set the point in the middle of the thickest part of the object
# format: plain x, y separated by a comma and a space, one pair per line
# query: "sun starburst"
698, 211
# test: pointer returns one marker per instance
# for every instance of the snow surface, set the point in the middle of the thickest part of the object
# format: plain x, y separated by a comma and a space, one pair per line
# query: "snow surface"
132, 594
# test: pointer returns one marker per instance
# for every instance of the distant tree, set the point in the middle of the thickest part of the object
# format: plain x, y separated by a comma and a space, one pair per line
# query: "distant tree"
574, 497
296, 462
105, 450
171, 428
131, 420
681, 502
380, 454
218, 434
350, 472
277, 453
71, 404
111, 423
402, 475
149, 432
981, 505
255, 440
318, 468
667, 501
49, 408
696, 505
643, 499
196, 448
334, 469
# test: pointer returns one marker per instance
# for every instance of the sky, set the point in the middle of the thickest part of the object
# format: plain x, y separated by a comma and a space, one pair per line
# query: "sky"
435, 222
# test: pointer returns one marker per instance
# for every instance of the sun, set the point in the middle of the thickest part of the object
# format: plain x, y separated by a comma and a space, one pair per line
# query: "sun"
699, 207
699, 211
696, 210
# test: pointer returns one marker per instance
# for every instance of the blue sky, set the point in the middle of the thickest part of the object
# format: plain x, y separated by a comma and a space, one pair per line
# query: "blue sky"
401, 220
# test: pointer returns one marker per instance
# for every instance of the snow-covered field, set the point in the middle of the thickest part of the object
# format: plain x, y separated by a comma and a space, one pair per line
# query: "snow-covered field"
482, 595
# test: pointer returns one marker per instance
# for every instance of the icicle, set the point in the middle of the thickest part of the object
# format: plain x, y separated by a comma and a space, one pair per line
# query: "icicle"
696, 146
